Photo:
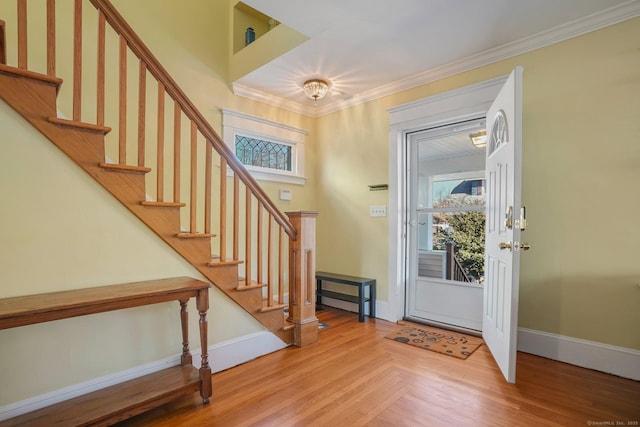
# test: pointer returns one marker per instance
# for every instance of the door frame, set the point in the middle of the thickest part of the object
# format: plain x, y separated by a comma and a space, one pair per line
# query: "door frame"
456, 105
442, 301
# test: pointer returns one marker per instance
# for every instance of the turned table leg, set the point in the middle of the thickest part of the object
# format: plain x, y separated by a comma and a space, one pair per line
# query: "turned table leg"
202, 302
185, 358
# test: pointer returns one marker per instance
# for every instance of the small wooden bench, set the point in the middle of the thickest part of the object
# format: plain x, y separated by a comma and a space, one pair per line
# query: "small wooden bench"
360, 299
121, 401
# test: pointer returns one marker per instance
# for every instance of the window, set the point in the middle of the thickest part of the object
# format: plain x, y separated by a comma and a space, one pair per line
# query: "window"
264, 154
271, 151
455, 225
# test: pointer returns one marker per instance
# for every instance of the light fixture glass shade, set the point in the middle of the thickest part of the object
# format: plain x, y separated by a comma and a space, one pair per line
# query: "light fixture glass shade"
479, 139
315, 89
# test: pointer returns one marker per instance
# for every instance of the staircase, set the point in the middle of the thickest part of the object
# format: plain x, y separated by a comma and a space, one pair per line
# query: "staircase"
258, 256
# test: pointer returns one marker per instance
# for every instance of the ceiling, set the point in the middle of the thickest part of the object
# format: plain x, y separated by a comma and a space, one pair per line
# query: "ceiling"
448, 142
371, 48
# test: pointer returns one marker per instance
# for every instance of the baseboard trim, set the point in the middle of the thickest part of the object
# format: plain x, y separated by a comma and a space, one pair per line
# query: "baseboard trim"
223, 355
237, 351
382, 307
620, 361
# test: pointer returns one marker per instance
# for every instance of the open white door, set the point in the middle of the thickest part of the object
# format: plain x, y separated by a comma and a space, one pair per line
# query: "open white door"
505, 219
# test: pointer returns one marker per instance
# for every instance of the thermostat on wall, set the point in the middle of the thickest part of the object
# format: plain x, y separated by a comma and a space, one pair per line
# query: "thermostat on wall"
285, 195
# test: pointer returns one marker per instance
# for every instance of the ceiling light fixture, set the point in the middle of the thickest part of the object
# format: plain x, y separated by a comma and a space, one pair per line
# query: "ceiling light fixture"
479, 139
315, 89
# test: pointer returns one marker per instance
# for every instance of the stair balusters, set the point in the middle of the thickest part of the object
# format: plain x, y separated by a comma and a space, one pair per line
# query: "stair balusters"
260, 238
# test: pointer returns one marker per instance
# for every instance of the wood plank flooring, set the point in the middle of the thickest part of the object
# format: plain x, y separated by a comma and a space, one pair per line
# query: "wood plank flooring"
353, 376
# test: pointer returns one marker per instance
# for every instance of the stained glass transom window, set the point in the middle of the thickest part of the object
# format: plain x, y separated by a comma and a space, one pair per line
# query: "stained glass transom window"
264, 154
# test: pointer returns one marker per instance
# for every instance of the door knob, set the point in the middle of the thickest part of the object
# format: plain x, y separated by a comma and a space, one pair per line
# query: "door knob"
525, 246
506, 245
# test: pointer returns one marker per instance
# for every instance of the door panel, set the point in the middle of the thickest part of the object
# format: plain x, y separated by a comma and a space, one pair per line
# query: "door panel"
448, 303
503, 164
446, 200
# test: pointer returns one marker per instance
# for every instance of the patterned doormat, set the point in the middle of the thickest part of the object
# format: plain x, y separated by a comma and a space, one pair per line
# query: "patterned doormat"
439, 340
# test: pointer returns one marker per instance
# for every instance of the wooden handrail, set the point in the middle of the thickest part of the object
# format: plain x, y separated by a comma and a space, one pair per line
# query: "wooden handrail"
136, 45
243, 234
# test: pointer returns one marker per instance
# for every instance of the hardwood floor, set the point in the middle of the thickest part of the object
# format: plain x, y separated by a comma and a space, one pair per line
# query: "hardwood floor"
354, 376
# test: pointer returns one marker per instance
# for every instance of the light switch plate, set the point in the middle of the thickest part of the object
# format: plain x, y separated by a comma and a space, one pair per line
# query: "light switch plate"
378, 211
285, 195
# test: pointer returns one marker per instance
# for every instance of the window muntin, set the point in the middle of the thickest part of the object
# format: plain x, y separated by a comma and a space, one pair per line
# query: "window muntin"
270, 151
259, 152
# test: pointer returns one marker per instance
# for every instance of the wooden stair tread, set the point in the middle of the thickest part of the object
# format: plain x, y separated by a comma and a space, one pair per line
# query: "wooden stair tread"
124, 168
267, 308
242, 286
163, 204
217, 262
117, 402
194, 235
7, 69
128, 184
80, 125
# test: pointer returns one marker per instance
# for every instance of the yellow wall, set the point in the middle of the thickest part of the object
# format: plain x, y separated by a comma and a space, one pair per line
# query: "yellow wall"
581, 162
60, 230
197, 56
581, 157
244, 17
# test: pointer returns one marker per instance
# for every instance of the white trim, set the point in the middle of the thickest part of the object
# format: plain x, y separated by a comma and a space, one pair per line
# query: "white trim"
236, 123
457, 105
344, 305
465, 102
597, 21
276, 101
621, 361
272, 176
382, 311
243, 116
55, 396
237, 351
222, 355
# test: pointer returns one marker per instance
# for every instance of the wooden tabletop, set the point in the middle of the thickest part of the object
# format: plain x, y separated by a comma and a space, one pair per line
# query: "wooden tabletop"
30, 309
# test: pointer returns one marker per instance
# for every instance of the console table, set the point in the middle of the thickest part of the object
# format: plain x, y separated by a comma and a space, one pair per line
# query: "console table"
116, 403
360, 282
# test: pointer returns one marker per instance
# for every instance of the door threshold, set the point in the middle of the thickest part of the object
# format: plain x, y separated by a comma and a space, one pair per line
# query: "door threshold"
446, 326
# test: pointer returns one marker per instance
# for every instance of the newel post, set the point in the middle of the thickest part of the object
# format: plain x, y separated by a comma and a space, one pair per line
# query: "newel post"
302, 272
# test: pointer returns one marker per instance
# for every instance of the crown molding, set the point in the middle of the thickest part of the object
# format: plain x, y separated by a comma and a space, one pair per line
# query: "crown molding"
276, 101
227, 113
597, 21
